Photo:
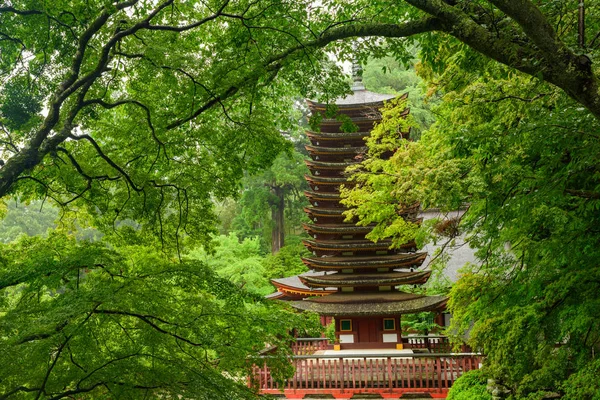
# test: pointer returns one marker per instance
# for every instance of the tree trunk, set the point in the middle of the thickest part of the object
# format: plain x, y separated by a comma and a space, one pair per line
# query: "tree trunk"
277, 209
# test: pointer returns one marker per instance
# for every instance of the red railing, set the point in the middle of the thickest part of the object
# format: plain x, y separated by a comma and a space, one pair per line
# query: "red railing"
389, 373
308, 346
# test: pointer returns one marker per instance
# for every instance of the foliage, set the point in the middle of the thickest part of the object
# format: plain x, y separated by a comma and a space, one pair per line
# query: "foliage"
152, 109
387, 75
239, 261
370, 201
26, 219
287, 261
263, 193
584, 384
147, 111
470, 386
243, 262
83, 319
423, 323
524, 159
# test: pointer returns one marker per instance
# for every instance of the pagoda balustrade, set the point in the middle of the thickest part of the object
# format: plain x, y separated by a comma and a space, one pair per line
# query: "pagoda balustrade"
431, 343
388, 374
307, 346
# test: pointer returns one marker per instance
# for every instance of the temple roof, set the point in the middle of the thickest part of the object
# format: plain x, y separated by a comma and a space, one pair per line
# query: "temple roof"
329, 165
363, 98
347, 244
337, 228
329, 196
371, 303
325, 211
337, 135
326, 180
335, 150
352, 262
394, 278
294, 285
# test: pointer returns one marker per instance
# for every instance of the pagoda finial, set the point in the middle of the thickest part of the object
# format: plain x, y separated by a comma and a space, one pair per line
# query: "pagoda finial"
357, 71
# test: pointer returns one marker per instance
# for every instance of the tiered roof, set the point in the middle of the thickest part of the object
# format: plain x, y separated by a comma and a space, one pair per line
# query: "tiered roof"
353, 275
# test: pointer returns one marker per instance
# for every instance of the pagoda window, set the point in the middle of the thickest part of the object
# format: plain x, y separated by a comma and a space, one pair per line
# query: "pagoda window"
385, 288
345, 325
381, 252
347, 289
389, 324
347, 271
383, 269
347, 253
347, 237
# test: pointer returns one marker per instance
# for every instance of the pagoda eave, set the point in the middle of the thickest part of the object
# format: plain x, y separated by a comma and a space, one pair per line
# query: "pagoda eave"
337, 228
421, 304
347, 245
335, 150
393, 261
365, 280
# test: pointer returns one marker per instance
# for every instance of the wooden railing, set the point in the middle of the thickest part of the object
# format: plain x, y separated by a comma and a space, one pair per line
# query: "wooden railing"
433, 343
308, 346
380, 372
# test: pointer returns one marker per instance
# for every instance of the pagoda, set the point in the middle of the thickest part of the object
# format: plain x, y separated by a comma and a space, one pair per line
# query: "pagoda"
352, 278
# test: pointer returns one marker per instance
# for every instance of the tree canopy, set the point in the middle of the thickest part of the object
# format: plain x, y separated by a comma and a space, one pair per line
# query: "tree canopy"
138, 114
78, 318
522, 156
144, 110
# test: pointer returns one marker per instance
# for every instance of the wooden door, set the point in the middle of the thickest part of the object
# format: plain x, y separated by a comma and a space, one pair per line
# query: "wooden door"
367, 330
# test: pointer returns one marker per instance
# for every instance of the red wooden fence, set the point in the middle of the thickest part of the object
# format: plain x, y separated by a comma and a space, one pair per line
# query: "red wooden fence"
308, 346
384, 373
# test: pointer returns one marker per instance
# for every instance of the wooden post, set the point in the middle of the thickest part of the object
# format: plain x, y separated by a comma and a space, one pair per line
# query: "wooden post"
341, 360
389, 372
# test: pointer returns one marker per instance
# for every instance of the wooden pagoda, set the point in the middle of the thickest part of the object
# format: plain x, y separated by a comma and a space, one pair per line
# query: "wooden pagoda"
353, 279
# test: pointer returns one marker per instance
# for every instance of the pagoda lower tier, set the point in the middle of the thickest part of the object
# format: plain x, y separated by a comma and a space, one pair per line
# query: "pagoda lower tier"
356, 304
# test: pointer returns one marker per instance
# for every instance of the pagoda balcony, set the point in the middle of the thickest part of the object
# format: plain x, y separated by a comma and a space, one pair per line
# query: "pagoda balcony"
418, 344
390, 374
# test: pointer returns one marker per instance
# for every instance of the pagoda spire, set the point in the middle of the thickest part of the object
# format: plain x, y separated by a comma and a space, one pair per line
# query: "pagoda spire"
357, 71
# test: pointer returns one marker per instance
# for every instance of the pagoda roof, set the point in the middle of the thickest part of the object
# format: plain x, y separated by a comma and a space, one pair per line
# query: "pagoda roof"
368, 262
337, 228
293, 285
367, 279
371, 303
336, 136
331, 196
347, 244
326, 180
334, 150
358, 99
355, 120
329, 165
324, 211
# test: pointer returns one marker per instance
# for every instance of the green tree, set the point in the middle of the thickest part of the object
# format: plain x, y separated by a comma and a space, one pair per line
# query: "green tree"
26, 219
144, 88
239, 261
271, 202
82, 319
387, 75
524, 158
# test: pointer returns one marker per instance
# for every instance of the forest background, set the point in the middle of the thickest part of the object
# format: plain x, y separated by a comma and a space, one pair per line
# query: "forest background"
134, 118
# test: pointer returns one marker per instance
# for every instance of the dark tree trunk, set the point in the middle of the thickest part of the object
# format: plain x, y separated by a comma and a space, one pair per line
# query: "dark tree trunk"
277, 209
